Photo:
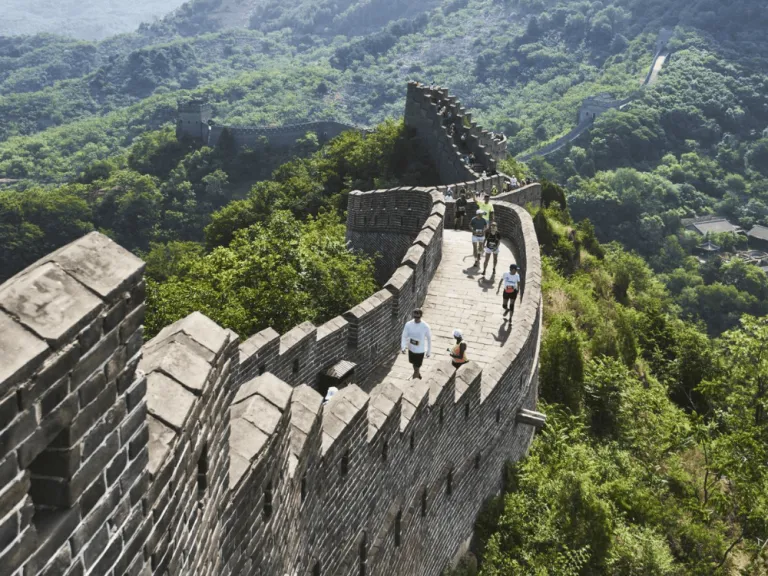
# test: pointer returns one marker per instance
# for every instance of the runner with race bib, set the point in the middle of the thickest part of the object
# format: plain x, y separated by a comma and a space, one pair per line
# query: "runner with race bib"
417, 340
511, 283
478, 226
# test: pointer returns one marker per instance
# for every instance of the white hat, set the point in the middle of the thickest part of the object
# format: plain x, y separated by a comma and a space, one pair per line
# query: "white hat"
457, 333
480, 212
331, 391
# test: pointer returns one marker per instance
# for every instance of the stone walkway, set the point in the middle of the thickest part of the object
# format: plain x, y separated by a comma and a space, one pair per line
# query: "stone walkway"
458, 297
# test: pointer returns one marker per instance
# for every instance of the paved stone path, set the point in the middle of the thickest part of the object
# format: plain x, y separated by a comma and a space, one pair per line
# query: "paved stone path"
458, 297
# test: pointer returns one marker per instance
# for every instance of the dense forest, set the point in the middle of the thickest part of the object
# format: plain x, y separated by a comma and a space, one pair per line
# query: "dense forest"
653, 457
653, 367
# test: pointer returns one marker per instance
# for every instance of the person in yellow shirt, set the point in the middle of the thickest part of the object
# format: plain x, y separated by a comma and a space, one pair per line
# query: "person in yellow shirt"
486, 207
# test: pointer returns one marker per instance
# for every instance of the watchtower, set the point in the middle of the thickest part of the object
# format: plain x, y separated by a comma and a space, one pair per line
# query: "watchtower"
194, 116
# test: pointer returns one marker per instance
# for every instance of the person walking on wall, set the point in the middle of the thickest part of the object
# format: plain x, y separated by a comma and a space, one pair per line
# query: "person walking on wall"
486, 207
459, 350
492, 245
478, 226
417, 340
511, 282
461, 210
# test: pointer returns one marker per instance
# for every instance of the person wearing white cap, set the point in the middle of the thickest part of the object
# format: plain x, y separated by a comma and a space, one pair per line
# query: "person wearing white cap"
459, 350
478, 226
511, 282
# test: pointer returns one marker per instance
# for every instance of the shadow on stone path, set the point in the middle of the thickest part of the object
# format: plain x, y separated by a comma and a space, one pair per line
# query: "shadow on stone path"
458, 297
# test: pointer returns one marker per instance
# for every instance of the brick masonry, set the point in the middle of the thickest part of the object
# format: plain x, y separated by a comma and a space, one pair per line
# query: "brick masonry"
197, 454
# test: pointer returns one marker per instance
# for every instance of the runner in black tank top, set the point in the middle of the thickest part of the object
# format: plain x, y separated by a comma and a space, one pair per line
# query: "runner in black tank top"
492, 245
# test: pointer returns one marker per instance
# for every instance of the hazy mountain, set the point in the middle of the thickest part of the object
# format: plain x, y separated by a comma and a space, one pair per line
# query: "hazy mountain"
85, 19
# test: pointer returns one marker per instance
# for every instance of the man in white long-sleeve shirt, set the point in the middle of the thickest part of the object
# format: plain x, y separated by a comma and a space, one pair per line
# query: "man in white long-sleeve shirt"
417, 339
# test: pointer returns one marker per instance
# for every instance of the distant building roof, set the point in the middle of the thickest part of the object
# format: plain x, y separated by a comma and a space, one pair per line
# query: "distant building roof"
709, 246
759, 232
712, 226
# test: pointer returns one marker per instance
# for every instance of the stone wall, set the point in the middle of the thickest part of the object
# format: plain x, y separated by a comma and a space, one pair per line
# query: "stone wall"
199, 454
73, 413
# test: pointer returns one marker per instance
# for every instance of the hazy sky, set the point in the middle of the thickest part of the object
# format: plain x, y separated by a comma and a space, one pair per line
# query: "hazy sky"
87, 19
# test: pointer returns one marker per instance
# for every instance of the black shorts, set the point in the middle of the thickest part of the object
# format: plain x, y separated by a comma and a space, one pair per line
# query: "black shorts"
509, 295
415, 359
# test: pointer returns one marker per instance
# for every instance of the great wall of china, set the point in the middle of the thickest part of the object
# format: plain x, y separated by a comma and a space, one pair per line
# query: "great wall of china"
197, 454
597, 105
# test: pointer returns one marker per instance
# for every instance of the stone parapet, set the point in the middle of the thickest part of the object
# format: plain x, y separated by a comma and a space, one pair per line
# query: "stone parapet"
73, 430
212, 456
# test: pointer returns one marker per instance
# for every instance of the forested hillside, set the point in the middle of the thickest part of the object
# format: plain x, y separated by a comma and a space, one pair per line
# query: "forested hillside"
653, 369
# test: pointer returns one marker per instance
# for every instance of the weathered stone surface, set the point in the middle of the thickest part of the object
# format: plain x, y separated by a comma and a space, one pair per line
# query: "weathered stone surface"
49, 302
20, 352
179, 362
200, 328
259, 412
245, 439
269, 387
168, 400
99, 263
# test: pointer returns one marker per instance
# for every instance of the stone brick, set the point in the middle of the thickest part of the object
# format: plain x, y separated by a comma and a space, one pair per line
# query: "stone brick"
19, 429
101, 264
53, 530
60, 462
55, 368
95, 519
132, 423
97, 356
91, 469
58, 566
49, 302
47, 430
13, 557
168, 400
116, 467
132, 323
179, 362
94, 550
9, 407
9, 530
21, 351
87, 417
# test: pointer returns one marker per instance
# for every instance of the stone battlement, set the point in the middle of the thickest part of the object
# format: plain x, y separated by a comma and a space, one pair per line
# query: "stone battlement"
197, 454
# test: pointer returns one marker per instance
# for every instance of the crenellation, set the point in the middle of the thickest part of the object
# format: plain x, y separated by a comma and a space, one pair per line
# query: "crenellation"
201, 454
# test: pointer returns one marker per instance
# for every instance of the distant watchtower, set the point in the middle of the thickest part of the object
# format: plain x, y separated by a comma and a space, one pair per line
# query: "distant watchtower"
594, 106
194, 116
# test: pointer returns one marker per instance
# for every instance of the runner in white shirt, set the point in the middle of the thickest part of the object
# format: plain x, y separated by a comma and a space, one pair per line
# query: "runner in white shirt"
511, 283
417, 339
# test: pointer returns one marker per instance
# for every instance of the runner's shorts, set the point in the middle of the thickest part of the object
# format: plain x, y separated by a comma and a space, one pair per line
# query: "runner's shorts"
478, 239
491, 250
415, 359
509, 296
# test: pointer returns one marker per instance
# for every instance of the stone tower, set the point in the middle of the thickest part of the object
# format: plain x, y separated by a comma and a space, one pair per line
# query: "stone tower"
193, 120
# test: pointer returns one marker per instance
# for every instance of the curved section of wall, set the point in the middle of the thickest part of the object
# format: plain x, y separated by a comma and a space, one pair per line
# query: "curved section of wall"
212, 457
